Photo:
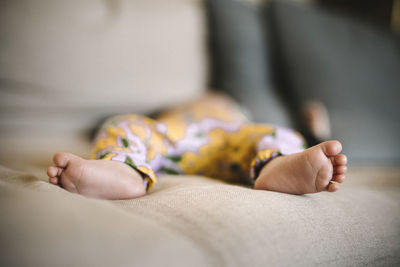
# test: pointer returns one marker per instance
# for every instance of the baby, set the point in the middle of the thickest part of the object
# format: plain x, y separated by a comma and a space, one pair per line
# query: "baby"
209, 137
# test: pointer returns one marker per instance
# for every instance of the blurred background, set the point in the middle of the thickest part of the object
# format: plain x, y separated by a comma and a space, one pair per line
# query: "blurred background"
65, 65
276, 56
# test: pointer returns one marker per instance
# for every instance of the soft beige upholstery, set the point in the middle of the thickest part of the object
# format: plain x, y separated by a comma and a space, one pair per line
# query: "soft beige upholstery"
196, 221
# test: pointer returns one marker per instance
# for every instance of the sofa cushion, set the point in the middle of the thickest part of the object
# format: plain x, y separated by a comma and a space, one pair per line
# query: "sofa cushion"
196, 221
63, 64
353, 68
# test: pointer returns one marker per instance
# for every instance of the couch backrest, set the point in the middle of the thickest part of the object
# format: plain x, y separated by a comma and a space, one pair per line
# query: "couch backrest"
64, 64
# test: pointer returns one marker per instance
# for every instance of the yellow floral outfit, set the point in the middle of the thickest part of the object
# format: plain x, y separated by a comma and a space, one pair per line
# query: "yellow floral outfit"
208, 137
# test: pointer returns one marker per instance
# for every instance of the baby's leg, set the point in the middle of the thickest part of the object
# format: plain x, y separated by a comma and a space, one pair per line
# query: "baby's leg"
121, 165
197, 134
282, 166
212, 106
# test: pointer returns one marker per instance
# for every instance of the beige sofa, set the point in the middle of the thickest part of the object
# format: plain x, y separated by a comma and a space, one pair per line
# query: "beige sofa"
66, 64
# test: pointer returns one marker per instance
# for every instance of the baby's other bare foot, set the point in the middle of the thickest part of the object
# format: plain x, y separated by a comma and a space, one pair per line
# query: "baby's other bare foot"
317, 120
104, 179
319, 168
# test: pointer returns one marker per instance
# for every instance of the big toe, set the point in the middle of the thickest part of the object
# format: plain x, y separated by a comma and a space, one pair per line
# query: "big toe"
61, 159
331, 148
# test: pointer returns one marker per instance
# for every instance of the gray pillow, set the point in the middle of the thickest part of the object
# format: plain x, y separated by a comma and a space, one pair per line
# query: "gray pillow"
352, 67
239, 59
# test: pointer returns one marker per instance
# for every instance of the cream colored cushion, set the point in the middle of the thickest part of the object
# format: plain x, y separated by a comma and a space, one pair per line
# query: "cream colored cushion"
64, 64
196, 221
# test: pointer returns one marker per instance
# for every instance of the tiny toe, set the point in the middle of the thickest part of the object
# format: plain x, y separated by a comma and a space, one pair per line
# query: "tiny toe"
333, 187
51, 172
53, 180
340, 159
342, 169
54, 171
338, 178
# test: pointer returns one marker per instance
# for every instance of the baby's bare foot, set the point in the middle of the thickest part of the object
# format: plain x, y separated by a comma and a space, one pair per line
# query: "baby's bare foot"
104, 179
319, 168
